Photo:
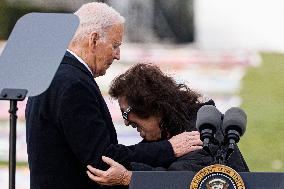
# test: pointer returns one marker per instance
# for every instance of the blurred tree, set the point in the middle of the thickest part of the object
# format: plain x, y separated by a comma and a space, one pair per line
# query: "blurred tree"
9, 14
3, 6
174, 20
157, 20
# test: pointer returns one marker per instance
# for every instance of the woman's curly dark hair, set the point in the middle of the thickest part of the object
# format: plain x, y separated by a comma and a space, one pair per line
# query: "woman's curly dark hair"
152, 93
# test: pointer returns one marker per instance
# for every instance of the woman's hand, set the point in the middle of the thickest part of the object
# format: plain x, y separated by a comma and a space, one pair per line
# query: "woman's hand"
117, 174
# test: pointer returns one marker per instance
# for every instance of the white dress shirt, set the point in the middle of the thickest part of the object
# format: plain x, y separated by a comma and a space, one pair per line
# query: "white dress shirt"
80, 60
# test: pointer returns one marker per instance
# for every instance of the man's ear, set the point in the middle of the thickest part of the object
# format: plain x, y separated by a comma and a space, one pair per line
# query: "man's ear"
93, 40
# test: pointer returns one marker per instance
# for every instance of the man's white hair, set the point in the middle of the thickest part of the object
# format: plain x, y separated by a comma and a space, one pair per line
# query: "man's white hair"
96, 17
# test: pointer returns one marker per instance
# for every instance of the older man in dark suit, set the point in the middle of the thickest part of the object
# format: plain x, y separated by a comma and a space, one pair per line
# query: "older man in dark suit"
69, 125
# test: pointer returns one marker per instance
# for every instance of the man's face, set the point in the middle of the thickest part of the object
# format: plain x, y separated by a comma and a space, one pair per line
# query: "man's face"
107, 49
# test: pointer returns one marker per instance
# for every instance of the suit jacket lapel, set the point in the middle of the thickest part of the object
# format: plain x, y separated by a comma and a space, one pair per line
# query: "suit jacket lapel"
72, 60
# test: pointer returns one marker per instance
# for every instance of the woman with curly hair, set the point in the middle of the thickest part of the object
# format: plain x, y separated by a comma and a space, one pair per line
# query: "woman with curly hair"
159, 108
151, 96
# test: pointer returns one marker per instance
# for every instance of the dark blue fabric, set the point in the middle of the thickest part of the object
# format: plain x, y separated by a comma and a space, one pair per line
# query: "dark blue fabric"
69, 126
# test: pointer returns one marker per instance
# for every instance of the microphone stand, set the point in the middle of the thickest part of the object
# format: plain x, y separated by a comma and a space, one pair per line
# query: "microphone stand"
206, 137
224, 152
221, 155
233, 137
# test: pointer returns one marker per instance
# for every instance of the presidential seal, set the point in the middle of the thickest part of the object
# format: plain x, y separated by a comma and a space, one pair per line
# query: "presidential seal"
217, 177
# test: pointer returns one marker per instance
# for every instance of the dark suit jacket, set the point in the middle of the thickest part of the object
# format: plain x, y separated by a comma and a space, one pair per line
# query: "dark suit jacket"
69, 126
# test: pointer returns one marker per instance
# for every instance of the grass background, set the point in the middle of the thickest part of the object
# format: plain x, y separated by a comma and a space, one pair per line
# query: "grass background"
263, 100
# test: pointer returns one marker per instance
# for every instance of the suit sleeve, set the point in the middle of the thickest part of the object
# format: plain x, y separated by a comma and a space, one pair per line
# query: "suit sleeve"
193, 161
82, 125
152, 153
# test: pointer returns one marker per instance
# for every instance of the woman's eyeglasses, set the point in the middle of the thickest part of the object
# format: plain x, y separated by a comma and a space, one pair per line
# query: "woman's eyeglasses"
126, 113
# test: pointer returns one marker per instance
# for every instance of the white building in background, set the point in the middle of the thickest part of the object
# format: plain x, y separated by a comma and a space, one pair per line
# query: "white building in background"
239, 24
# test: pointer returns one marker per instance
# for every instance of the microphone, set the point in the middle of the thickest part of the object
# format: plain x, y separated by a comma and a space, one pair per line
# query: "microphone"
207, 123
234, 126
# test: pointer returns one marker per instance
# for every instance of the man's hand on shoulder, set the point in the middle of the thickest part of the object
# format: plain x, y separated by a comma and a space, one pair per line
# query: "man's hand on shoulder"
186, 142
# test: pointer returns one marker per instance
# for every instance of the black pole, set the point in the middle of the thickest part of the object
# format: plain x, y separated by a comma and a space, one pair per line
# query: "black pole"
12, 140
13, 95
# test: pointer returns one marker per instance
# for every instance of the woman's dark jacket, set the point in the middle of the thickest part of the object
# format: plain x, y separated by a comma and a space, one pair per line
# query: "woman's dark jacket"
194, 161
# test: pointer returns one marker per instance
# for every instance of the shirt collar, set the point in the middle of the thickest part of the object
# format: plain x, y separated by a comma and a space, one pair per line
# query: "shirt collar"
80, 60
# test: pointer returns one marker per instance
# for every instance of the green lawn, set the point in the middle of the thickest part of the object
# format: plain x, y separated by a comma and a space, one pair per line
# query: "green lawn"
19, 164
263, 100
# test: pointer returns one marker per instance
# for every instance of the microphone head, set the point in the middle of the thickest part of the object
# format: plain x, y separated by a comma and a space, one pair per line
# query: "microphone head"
235, 119
208, 117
